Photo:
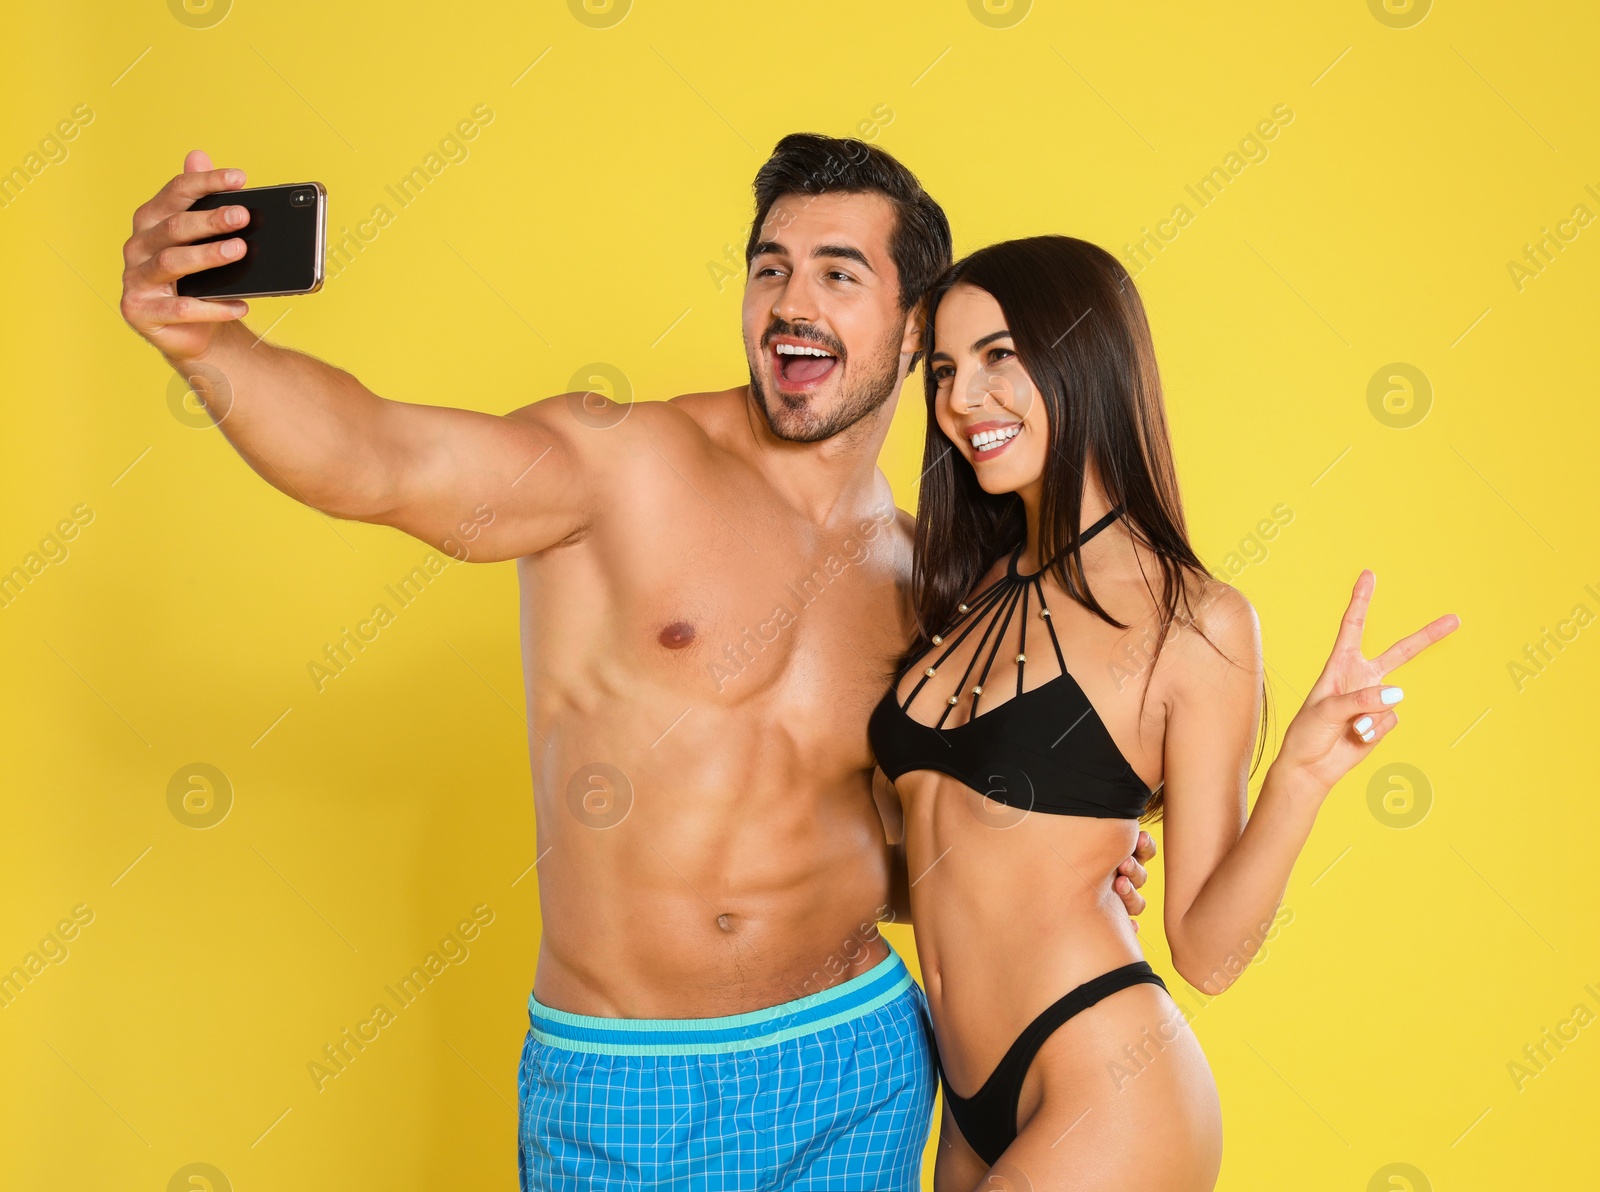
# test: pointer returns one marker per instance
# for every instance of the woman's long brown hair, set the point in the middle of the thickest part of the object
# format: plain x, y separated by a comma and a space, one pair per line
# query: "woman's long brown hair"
1080, 332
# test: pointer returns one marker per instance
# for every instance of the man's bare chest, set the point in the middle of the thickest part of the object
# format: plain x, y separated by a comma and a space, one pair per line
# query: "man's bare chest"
790, 615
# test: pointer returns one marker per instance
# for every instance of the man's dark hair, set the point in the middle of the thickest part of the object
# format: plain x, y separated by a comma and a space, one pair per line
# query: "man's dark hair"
806, 163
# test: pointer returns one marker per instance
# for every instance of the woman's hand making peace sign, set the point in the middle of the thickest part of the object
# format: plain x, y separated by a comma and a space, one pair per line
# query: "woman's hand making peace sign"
1350, 709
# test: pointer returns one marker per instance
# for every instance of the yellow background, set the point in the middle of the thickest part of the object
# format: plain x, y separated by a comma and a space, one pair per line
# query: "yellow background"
369, 818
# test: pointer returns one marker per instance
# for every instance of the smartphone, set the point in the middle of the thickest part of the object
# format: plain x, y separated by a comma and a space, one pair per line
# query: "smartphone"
283, 243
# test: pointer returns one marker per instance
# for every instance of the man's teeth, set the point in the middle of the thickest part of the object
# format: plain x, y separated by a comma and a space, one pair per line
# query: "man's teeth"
989, 438
799, 350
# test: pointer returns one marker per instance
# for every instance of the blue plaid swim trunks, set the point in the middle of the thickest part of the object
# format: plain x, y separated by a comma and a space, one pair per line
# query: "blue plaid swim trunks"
830, 1091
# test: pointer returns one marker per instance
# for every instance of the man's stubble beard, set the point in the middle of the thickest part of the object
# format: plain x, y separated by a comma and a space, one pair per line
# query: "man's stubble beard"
795, 423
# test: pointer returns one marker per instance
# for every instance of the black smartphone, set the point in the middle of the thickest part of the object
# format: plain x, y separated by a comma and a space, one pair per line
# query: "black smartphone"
283, 243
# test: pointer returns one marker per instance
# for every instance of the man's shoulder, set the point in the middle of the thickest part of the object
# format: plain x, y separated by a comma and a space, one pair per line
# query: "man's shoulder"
899, 526
597, 422
711, 406
905, 525
890, 529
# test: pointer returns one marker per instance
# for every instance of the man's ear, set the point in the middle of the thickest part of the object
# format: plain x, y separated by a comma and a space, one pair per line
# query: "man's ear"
911, 343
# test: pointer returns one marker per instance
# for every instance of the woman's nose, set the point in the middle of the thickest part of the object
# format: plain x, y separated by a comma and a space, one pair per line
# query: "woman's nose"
980, 386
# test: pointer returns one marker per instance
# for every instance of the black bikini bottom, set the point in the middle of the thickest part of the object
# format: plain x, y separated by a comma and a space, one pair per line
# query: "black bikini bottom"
988, 1118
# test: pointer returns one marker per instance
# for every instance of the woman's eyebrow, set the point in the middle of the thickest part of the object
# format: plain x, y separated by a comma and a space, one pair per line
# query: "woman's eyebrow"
980, 344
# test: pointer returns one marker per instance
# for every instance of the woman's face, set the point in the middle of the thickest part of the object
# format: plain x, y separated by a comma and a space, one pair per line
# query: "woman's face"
987, 405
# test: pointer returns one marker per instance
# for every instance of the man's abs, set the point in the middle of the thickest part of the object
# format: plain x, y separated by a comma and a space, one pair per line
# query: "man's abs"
703, 904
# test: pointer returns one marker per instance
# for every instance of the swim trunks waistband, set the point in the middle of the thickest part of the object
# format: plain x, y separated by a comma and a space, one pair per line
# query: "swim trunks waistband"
860, 995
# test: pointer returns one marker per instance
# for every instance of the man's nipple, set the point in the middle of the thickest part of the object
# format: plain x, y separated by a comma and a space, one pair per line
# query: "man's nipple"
677, 636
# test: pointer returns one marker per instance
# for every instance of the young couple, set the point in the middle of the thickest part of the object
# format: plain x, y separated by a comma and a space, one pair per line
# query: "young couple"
951, 718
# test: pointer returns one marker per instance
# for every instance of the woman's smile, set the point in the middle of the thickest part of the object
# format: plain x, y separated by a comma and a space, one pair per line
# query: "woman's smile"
989, 439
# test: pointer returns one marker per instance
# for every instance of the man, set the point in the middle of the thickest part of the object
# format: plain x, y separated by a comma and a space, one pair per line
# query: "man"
711, 605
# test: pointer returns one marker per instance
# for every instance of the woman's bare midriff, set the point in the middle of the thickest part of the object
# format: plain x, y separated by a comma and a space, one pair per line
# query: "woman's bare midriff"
1013, 909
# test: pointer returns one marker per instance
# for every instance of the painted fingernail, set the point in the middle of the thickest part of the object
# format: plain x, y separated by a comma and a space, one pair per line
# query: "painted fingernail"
1368, 735
1364, 727
1391, 695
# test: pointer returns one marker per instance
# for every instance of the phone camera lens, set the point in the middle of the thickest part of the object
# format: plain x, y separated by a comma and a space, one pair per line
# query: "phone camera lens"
302, 198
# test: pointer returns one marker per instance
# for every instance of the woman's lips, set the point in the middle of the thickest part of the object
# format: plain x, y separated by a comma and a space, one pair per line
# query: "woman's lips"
990, 450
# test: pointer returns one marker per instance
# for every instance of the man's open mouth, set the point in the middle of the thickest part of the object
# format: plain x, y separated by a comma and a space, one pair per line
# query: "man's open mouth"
801, 366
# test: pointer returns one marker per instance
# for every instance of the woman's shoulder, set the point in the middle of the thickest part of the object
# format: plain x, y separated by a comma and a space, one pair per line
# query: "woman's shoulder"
1214, 630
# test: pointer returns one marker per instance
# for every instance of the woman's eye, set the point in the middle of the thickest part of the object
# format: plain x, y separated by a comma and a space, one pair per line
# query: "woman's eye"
943, 374
998, 354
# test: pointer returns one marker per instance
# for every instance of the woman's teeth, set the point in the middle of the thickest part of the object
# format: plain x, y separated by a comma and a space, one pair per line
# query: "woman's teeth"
991, 438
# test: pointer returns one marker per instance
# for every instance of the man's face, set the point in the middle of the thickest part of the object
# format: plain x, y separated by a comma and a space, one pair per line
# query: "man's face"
823, 329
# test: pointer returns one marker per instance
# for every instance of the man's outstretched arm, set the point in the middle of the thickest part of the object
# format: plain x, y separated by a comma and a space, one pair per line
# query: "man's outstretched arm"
482, 486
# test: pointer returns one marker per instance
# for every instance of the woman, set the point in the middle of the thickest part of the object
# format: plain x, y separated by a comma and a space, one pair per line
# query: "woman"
1078, 670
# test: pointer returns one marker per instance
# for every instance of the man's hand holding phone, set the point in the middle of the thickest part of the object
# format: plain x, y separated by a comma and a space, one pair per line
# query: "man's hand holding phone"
205, 238
162, 249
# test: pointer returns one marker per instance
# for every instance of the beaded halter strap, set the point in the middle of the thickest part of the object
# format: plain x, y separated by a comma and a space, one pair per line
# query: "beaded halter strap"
991, 608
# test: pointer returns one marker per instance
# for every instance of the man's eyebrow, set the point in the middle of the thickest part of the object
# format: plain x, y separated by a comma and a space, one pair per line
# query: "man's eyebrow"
844, 252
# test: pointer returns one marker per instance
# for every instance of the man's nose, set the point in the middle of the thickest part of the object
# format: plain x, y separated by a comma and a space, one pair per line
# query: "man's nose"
796, 302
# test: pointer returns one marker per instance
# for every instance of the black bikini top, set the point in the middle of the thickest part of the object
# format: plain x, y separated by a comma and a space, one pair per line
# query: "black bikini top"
1045, 749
